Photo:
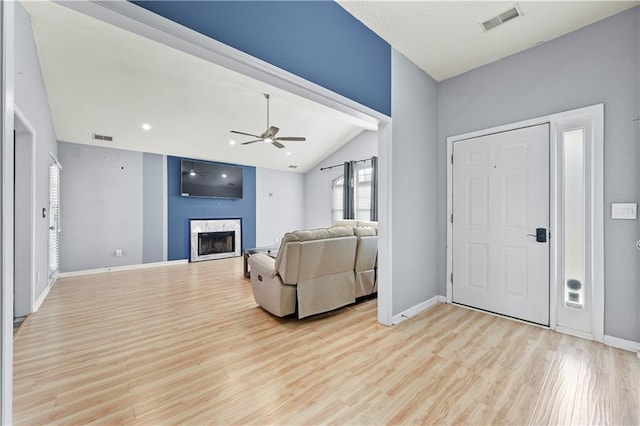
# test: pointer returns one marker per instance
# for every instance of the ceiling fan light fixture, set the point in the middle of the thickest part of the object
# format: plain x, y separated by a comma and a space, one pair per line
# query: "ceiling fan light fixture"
269, 135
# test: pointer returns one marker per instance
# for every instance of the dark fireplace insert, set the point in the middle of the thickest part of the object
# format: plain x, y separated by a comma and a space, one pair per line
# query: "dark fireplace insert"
216, 242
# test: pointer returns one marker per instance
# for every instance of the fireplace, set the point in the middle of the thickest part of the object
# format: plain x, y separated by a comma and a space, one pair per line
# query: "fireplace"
216, 242
215, 238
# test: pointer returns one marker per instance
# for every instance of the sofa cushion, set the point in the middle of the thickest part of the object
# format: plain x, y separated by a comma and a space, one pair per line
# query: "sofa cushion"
312, 234
341, 231
345, 222
363, 231
369, 224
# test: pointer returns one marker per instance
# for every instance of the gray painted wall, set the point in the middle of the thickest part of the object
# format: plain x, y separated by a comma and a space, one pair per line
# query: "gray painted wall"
597, 64
31, 99
317, 184
101, 195
279, 206
414, 100
153, 210
24, 215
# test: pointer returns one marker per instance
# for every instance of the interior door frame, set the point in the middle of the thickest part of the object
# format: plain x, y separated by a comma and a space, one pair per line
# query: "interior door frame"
595, 115
6, 205
126, 15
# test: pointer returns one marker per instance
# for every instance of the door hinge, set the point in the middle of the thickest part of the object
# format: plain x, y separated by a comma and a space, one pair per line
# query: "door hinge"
451, 217
452, 278
451, 158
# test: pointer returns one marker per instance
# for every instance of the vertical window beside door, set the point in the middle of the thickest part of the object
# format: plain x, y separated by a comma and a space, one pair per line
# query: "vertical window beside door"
574, 220
54, 220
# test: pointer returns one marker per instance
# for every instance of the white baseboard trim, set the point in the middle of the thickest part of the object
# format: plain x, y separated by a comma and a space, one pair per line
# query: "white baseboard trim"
572, 332
40, 300
627, 345
442, 299
414, 310
122, 268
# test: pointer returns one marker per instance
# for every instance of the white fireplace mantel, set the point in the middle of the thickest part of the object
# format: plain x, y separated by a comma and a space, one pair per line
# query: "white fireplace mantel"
198, 226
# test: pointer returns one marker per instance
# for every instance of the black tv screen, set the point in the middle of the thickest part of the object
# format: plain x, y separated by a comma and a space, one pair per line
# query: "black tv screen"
201, 179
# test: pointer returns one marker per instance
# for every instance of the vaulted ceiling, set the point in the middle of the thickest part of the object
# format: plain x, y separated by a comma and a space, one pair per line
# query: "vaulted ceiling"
105, 80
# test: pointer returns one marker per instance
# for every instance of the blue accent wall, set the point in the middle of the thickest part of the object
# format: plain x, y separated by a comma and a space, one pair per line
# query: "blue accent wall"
181, 209
316, 40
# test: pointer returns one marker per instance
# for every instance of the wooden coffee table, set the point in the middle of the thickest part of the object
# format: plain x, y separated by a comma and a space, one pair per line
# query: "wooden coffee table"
271, 251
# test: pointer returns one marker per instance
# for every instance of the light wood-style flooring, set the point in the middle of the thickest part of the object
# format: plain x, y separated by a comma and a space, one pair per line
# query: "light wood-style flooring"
187, 344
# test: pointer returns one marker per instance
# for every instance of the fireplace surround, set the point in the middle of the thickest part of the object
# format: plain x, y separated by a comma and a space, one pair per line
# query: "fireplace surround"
215, 239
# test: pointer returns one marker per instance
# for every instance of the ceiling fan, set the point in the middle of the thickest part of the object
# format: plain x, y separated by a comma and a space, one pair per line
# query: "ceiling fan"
269, 135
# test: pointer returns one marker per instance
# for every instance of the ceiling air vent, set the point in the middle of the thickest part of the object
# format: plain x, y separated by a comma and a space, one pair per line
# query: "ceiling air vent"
293, 166
102, 137
489, 24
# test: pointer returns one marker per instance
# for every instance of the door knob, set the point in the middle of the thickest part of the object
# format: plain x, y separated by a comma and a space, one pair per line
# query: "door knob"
541, 235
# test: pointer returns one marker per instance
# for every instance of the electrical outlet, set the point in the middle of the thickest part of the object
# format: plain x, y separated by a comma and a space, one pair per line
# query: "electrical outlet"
118, 252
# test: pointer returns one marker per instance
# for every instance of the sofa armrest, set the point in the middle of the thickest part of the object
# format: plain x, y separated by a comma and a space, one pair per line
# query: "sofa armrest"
262, 264
268, 289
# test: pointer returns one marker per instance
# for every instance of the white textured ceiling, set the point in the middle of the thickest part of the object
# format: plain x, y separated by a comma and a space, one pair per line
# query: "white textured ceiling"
445, 38
102, 79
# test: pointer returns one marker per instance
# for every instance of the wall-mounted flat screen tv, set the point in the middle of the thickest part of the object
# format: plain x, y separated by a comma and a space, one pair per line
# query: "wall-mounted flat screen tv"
202, 179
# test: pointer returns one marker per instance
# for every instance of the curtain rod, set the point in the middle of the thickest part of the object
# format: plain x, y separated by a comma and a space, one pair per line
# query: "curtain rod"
341, 165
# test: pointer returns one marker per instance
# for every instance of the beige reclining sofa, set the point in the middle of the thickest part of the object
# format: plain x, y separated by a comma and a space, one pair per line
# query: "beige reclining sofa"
316, 271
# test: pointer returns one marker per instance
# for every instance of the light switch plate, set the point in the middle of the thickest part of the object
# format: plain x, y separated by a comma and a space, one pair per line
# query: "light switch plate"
624, 211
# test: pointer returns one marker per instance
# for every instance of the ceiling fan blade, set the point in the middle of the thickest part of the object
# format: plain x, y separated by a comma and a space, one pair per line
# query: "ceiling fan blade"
247, 143
277, 144
291, 138
270, 133
243, 133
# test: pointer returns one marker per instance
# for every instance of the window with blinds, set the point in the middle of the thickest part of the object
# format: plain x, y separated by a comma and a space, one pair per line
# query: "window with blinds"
54, 219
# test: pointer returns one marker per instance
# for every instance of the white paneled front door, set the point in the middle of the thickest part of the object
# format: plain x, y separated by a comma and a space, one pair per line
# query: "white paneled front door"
500, 223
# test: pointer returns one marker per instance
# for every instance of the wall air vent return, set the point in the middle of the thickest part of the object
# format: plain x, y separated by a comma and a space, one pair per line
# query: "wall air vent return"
102, 137
489, 24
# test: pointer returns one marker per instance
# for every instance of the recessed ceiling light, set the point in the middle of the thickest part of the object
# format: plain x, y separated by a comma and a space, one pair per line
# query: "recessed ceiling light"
224, 175
288, 152
232, 142
146, 126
